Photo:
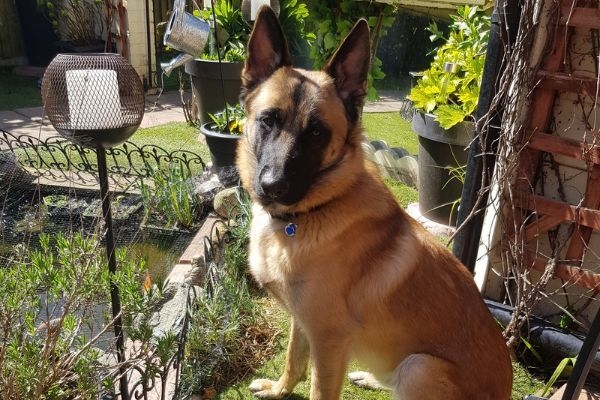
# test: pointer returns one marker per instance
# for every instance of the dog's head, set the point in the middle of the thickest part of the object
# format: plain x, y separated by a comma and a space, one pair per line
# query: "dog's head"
302, 126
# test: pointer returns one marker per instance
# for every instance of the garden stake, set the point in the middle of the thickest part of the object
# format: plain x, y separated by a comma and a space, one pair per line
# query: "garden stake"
112, 267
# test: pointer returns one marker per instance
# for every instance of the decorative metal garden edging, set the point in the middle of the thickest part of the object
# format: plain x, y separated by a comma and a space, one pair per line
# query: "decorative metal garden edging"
214, 245
161, 369
54, 156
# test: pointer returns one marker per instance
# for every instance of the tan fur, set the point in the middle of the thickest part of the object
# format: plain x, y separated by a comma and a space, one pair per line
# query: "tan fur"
363, 280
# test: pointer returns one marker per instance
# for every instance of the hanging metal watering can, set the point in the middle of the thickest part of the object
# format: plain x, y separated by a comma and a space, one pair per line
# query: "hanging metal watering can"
185, 33
175, 62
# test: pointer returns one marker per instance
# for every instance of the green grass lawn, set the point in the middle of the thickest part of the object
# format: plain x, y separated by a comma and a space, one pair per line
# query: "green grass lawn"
391, 128
396, 132
171, 137
18, 91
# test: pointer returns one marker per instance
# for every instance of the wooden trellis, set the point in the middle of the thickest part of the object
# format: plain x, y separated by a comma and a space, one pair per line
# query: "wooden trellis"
552, 79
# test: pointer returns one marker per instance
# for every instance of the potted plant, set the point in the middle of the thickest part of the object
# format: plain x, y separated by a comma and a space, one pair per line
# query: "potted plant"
214, 83
222, 135
444, 99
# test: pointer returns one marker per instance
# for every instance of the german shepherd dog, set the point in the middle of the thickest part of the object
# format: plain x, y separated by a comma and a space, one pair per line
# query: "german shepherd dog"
360, 278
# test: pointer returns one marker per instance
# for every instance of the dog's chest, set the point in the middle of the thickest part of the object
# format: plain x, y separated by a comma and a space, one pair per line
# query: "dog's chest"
271, 258
276, 260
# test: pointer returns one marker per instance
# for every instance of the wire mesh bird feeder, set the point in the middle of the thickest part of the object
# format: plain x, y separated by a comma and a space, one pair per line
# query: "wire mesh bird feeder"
97, 100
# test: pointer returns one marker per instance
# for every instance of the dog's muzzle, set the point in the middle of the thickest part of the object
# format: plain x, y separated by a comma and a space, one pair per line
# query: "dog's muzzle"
274, 186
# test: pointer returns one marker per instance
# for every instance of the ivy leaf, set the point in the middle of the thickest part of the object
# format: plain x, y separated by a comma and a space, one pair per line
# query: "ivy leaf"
435, 32
389, 21
343, 27
345, 6
324, 27
377, 73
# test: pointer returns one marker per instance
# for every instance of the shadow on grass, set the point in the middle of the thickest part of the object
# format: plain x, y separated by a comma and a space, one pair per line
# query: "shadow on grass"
294, 396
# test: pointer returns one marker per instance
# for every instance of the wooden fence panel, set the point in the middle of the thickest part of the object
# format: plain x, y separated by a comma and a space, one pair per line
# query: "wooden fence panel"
11, 39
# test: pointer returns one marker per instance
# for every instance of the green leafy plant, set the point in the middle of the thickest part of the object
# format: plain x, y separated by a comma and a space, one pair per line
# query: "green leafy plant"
169, 198
232, 31
293, 17
38, 335
457, 174
449, 89
532, 350
231, 121
561, 369
333, 19
50, 321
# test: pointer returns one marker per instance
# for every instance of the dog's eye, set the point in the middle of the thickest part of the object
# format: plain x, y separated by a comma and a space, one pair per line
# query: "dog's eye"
267, 121
315, 132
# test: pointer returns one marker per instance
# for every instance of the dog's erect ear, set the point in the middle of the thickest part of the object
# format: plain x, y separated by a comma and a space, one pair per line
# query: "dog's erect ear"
267, 50
349, 67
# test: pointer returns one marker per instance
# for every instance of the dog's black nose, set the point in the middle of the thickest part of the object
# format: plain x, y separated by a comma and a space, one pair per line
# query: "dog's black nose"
273, 186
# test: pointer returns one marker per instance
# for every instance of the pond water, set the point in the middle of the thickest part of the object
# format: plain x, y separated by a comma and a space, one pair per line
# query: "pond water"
159, 257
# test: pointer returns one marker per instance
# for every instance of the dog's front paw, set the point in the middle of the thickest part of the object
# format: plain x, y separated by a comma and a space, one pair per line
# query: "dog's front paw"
365, 380
267, 389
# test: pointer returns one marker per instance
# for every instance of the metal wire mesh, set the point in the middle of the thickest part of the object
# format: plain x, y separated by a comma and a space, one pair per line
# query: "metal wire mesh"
94, 99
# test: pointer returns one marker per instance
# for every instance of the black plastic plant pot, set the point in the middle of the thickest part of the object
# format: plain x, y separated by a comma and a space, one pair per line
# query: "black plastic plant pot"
211, 95
442, 154
222, 146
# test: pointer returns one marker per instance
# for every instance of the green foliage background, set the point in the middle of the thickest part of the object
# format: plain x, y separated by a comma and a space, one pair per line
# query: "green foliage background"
332, 20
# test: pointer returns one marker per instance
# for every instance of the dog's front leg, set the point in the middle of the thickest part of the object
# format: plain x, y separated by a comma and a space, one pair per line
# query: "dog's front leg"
329, 361
296, 362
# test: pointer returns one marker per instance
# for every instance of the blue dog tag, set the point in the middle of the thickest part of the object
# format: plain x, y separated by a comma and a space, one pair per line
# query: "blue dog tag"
290, 229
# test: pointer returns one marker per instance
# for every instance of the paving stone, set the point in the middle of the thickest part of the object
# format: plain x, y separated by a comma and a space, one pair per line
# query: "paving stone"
34, 113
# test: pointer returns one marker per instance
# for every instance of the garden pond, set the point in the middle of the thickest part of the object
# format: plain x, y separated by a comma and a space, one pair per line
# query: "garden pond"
26, 214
